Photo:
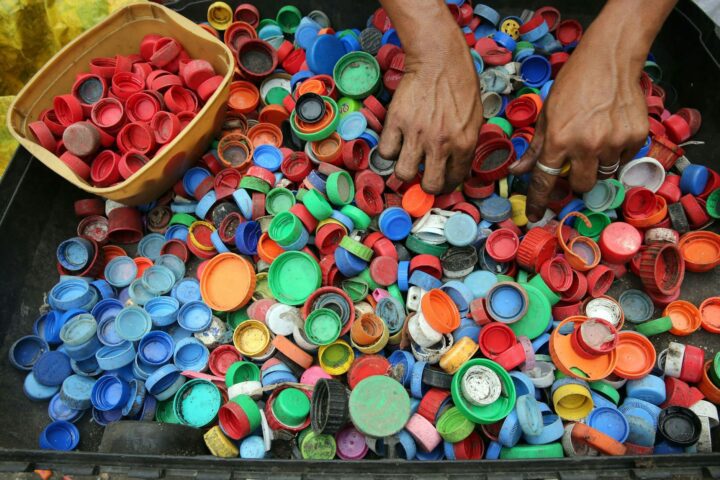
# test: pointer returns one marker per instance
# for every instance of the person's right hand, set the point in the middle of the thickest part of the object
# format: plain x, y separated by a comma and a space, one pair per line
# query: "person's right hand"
595, 116
436, 113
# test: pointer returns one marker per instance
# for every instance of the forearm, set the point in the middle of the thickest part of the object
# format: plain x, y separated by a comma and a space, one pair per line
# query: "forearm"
425, 27
626, 29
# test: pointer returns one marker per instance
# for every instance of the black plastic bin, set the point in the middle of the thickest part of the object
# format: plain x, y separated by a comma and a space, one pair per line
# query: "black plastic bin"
37, 214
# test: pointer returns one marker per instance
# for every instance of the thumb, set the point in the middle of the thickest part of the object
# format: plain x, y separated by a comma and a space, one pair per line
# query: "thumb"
526, 163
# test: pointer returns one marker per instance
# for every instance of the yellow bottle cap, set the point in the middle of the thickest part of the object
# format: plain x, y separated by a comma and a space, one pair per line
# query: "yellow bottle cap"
220, 15
194, 240
459, 353
251, 338
517, 203
572, 402
220, 445
503, 187
336, 358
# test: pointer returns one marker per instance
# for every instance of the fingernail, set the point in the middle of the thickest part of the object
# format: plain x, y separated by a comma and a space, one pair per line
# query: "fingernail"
514, 164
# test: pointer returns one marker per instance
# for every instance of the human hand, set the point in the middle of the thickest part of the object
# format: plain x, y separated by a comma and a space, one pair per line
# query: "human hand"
435, 115
594, 117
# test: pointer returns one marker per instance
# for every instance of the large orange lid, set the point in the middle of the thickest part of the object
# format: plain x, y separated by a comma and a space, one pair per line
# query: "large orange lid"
227, 282
685, 317
265, 134
440, 311
568, 361
710, 314
244, 96
635, 355
700, 250
416, 202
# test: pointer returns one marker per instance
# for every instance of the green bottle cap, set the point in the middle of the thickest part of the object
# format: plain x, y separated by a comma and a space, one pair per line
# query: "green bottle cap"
356, 248
607, 391
182, 219
165, 412
453, 426
550, 450
340, 188
323, 133
237, 317
266, 22
538, 315
522, 276
654, 327
285, 228
367, 278
379, 406
279, 200
255, 184
415, 245
317, 446
323, 326
598, 222
197, 403
357, 75
504, 278
713, 204
317, 205
356, 288
619, 193
250, 408
275, 96
288, 17
538, 282
242, 372
502, 123
360, 219
484, 414
348, 105
291, 407
293, 276
394, 290
526, 90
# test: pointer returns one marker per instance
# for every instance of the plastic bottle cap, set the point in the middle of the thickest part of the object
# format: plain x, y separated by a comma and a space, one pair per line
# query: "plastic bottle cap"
642, 172
507, 302
60, 435
323, 326
379, 406
440, 311
293, 276
635, 355
619, 242
356, 74
502, 245
680, 426
227, 282
700, 250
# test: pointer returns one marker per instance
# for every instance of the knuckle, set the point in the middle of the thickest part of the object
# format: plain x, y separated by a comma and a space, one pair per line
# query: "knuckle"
540, 184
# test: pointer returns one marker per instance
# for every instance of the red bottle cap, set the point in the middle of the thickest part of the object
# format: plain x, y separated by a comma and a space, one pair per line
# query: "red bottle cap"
328, 237
427, 263
136, 136
557, 274
521, 111
179, 99
578, 288
68, 109
692, 365
366, 366
88, 207
619, 242
495, 338
474, 188
176, 247
384, 270
76, 164
104, 170
166, 127
125, 225
537, 247
502, 245
108, 114
130, 163
662, 269
492, 159
43, 135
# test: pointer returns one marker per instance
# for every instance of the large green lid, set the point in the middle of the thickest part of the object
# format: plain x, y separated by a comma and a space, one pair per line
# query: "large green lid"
197, 403
285, 228
538, 315
550, 450
357, 75
323, 326
317, 446
279, 200
250, 408
538, 282
291, 407
165, 412
485, 414
379, 406
317, 205
293, 276
242, 372
276, 95
288, 17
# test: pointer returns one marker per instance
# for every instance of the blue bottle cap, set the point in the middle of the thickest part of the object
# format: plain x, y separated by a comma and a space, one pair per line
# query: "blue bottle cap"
139, 294
520, 145
575, 205
26, 351
510, 431
611, 422
506, 302
136, 399
75, 253
424, 280
87, 368
186, 290
484, 30
694, 179
252, 447
528, 413
435, 455
505, 40
348, 264
84, 350
417, 387
105, 418
193, 178
244, 202
540, 344
113, 357
407, 446
150, 246
274, 378
637, 305
109, 393
298, 78
487, 13
184, 207
306, 33
460, 294
461, 230
318, 180
324, 53
149, 407
156, 348
545, 90
268, 157
58, 410
36, 391
395, 223
163, 310
125, 373
470, 331
403, 274
60, 435
642, 430
194, 316
523, 384
69, 294
370, 139
344, 219
351, 43
41, 322
247, 237
407, 360
493, 451
351, 126
174, 263
649, 388
52, 368
652, 410
141, 370
552, 429
131, 323
106, 291
495, 208
449, 450
78, 330
278, 367
106, 332
391, 37
535, 70
205, 204
158, 280
479, 282
191, 354
121, 271
75, 392
392, 312
177, 232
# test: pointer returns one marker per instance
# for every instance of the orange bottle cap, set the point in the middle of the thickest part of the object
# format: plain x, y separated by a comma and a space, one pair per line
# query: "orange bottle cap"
635, 355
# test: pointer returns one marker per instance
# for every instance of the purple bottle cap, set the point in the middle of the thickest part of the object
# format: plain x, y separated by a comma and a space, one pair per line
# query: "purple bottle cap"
351, 444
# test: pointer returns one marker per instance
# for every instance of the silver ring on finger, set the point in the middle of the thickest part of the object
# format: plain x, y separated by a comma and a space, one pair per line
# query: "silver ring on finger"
549, 170
609, 169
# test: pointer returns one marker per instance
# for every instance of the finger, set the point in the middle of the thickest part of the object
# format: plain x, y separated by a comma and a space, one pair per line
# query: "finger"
631, 150
458, 168
407, 165
541, 184
583, 171
391, 140
525, 163
433, 179
609, 161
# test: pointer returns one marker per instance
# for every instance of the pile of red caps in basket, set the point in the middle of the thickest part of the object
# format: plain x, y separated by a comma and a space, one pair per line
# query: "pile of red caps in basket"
125, 109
